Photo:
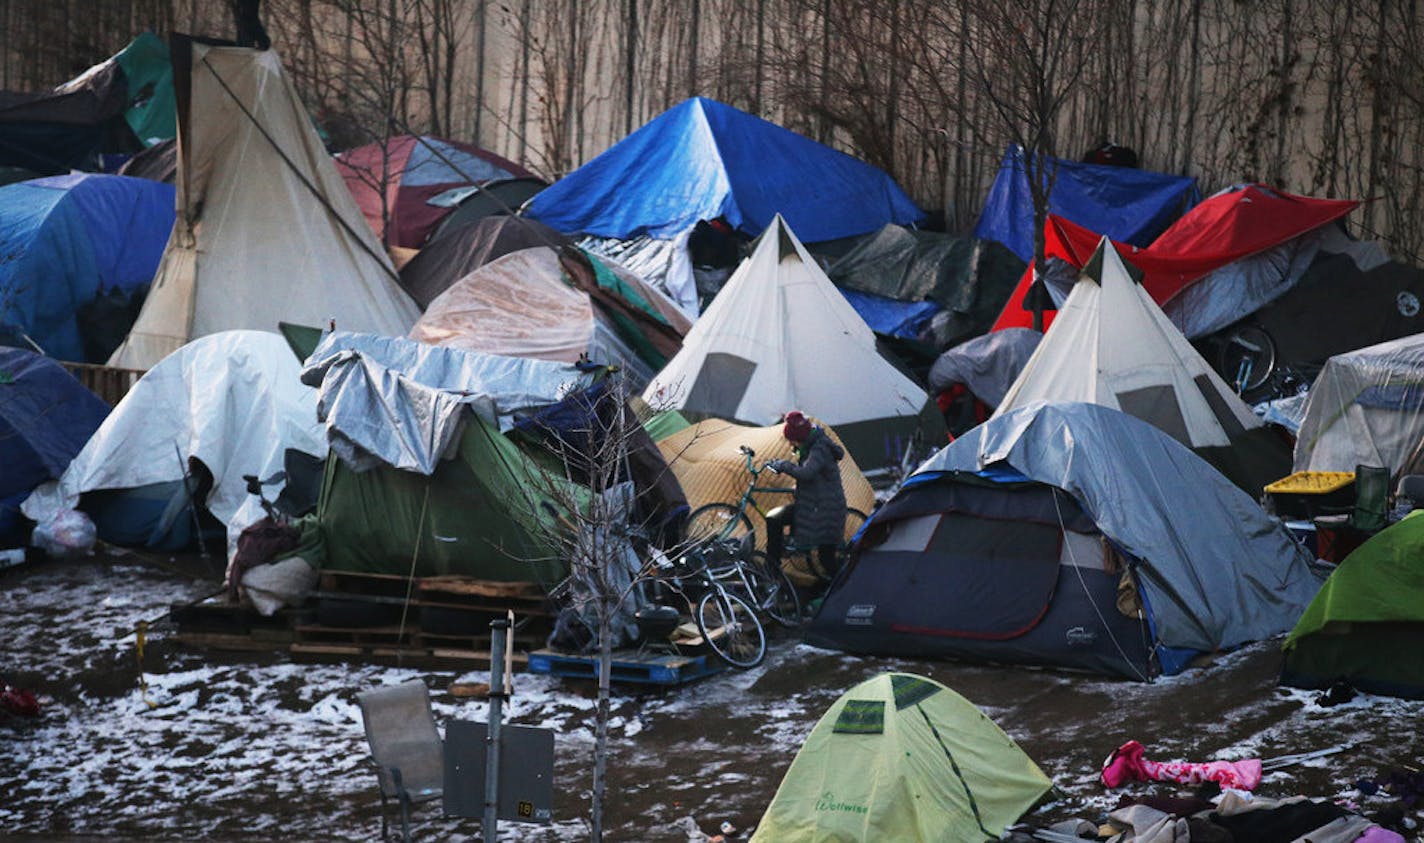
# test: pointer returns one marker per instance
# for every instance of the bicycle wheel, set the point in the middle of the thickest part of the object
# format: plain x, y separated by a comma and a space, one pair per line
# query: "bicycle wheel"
770, 591
716, 521
782, 603
730, 627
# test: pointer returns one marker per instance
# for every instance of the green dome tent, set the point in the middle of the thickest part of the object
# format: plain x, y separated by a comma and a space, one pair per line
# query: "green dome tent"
1366, 625
901, 757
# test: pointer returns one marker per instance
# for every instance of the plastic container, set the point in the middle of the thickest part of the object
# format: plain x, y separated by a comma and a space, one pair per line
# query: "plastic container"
1309, 494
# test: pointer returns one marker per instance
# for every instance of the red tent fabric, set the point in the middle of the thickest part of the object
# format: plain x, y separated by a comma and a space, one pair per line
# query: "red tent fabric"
1231, 225
412, 170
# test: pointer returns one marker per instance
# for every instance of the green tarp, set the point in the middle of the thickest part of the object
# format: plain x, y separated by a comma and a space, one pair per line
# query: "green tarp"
153, 109
1366, 624
477, 515
901, 757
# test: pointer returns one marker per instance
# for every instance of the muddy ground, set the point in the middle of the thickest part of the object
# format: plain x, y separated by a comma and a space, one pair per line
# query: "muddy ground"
185, 745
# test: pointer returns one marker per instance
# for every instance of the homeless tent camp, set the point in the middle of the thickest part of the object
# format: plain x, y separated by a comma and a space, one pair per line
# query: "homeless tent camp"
1071, 535
1366, 408
781, 337
1112, 345
703, 160
393, 181
220, 407
76, 252
46, 416
901, 757
266, 230
564, 305
1366, 626
391, 501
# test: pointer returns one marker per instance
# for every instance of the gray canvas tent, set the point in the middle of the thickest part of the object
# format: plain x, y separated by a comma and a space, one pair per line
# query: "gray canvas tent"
1067, 534
1112, 345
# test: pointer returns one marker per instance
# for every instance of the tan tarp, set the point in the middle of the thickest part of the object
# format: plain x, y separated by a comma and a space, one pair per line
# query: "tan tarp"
266, 229
709, 465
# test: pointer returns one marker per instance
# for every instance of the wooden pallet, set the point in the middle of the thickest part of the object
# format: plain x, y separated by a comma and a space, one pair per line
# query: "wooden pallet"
438, 658
628, 666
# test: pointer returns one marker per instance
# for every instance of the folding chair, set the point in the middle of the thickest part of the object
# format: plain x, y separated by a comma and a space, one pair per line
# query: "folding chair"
405, 747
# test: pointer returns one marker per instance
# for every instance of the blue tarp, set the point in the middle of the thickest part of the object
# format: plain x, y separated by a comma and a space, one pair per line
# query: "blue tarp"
702, 160
889, 316
66, 239
46, 416
1126, 204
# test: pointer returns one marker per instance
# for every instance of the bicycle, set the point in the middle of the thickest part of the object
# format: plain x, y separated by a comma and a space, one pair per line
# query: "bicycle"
725, 620
724, 522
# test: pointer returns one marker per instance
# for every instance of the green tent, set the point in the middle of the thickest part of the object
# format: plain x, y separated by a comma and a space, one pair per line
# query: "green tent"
1366, 625
153, 109
901, 757
478, 515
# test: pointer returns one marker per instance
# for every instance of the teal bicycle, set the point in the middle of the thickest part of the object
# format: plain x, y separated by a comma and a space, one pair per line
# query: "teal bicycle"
724, 523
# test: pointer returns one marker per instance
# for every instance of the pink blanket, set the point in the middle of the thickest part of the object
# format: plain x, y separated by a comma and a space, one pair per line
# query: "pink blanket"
1127, 764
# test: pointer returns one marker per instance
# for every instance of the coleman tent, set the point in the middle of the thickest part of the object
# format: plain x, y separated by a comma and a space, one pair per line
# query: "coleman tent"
71, 249
901, 757
230, 403
266, 230
1124, 203
1366, 626
1112, 345
1366, 408
393, 181
1071, 535
46, 416
557, 305
781, 337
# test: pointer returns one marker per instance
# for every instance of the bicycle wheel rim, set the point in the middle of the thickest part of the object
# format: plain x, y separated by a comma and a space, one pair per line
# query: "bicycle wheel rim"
716, 521
731, 630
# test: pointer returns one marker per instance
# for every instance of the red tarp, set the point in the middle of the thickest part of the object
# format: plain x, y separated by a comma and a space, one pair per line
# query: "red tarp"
413, 170
1229, 226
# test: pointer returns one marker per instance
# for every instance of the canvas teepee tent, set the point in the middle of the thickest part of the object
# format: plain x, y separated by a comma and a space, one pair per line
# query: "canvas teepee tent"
266, 229
902, 757
1112, 345
779, 337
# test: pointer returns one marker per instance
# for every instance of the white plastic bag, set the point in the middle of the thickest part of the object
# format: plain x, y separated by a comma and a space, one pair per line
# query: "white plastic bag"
69, 534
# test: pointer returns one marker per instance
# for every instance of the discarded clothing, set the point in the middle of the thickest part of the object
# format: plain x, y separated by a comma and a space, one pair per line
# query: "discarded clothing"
1128, 764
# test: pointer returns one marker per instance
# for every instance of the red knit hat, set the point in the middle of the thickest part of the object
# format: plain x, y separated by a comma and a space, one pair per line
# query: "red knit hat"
797, 427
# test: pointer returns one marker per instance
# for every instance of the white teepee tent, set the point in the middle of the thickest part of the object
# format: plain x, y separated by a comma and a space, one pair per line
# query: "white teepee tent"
267, 230
1112, 345
780, 336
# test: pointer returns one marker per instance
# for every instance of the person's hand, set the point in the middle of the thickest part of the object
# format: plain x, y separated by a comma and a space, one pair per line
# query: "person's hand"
779, 466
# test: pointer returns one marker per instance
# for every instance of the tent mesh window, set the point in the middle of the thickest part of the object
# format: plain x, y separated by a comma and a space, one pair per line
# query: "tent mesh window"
861, 717
720, 385
910, 690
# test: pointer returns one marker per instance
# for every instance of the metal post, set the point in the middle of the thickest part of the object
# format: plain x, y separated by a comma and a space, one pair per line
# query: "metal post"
497, 694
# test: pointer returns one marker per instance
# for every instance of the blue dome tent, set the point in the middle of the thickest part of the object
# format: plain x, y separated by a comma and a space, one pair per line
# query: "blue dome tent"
66, 240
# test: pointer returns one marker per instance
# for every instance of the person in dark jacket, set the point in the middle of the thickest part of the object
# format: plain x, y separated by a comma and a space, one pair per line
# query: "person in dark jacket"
818, 514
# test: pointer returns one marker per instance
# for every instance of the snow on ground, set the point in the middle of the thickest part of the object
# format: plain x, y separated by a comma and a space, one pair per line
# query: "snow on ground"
198, 745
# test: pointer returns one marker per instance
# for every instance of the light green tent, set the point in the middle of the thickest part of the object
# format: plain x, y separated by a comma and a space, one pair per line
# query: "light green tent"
901, 757
1366, 624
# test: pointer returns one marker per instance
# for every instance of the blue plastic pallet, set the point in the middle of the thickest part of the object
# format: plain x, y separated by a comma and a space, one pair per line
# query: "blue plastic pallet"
628, 666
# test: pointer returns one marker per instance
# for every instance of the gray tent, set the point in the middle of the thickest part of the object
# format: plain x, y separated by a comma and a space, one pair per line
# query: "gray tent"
986, 365
462, 251
994, 549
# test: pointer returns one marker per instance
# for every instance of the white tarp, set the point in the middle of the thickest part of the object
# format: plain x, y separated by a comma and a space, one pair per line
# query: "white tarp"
1111, 345
398, 402
253, 244
1217, 571
520, 305
780, 336
1366, 408
233, 400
